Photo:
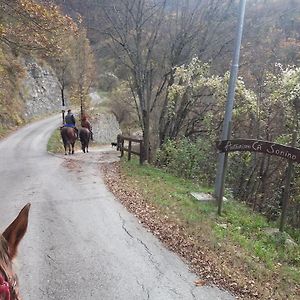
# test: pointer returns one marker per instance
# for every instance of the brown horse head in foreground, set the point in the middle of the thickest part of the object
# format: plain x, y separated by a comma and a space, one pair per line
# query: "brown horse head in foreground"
69, 136
9, 242
84, 135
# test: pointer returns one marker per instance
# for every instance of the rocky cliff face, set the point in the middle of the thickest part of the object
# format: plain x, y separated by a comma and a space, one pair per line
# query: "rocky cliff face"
41, 93
105, 128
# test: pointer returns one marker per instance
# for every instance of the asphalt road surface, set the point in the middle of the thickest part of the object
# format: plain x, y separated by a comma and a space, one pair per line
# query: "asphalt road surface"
81, 242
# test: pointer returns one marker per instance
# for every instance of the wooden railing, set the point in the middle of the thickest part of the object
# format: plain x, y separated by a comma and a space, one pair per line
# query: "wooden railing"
131, 150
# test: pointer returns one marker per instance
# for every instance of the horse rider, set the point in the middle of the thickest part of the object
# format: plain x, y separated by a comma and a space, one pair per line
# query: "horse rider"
86, 124
70, 121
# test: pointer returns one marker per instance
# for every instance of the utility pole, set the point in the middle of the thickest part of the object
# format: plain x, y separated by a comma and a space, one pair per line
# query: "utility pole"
221, 170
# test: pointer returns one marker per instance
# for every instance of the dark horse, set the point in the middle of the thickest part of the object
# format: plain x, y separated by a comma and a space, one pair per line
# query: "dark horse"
69, 136
9, 241
84, 135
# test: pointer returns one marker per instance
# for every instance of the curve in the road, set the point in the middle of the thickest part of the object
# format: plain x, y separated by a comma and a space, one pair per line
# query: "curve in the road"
81, 242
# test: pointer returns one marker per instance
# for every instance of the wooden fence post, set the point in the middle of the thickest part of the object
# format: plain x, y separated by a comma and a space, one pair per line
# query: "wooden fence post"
141, 152
121, 140
129, 150
122, 146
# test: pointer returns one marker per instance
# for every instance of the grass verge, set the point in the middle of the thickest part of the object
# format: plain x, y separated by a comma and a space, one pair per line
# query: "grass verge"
4, 131
55, 144
233, 251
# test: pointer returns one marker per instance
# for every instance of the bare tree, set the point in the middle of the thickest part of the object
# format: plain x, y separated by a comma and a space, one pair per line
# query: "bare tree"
84, 70
150, 38
196, 29
133, 29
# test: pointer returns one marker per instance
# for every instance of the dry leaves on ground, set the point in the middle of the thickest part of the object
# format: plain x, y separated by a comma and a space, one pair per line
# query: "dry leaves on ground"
210, 266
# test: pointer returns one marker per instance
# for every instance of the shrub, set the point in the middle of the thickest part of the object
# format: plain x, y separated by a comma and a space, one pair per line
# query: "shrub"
191, 160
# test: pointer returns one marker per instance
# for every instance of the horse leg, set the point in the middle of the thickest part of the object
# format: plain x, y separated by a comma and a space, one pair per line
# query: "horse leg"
65, 146
73, 147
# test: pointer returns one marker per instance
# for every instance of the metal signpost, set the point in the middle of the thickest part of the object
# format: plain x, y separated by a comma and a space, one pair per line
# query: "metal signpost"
226, 145
288, 152
229, 106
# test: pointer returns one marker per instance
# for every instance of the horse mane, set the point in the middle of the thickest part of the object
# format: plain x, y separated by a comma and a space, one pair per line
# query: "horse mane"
4, 258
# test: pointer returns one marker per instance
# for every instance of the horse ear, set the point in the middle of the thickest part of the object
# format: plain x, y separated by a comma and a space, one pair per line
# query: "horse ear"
16, 230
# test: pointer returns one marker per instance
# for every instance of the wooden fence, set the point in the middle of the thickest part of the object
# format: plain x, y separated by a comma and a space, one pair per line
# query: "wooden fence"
131, 150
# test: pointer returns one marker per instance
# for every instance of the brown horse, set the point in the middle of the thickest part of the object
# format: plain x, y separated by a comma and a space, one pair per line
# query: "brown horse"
69, 136
84, 135
9, 242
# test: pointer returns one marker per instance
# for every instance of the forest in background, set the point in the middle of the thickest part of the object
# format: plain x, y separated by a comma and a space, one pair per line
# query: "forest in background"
29, 29
164, 65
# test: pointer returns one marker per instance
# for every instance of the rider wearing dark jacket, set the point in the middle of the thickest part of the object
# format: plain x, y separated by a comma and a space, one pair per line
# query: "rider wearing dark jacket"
70, 121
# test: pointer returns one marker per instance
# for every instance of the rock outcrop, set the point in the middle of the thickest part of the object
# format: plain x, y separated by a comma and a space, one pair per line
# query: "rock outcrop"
41, 96
105, 128
41, 92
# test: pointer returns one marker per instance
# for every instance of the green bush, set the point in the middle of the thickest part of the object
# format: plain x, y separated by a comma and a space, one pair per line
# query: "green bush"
191, 160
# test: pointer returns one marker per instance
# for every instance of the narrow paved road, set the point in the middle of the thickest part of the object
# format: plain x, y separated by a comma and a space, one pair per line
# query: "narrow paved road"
81, 243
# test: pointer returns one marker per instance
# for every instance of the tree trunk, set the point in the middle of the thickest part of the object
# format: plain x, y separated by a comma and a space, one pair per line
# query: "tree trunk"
146, 137
63, 104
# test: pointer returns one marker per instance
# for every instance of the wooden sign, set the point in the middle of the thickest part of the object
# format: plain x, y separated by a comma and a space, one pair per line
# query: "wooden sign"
287, 152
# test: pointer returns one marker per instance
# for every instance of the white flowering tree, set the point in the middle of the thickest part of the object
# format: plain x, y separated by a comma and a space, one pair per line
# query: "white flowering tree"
278, 108
196, 103
259, 179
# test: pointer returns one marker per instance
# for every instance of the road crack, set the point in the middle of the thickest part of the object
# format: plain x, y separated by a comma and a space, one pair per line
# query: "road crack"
150, 255
144, 289
124, 227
